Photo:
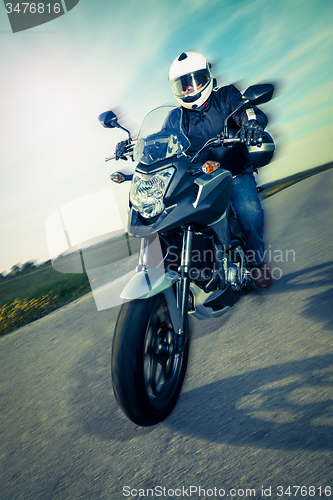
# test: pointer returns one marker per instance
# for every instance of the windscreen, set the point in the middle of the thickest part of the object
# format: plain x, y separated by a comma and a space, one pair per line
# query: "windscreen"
160, 136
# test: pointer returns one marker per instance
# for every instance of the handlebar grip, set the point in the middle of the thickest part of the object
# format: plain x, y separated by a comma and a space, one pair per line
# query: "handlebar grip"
231, 141
110, 158
114, 157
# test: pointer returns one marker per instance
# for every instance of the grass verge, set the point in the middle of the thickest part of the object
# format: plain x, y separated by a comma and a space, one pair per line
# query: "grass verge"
271, 188
27, 297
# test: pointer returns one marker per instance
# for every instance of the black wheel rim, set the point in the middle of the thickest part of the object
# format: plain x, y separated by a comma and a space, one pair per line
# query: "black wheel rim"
162, 365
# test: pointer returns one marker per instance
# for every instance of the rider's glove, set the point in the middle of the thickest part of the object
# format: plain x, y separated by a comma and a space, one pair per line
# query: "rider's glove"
251, 132
120, 150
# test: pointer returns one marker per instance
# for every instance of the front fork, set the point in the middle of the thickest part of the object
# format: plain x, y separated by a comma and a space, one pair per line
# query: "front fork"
178, 309
184, 283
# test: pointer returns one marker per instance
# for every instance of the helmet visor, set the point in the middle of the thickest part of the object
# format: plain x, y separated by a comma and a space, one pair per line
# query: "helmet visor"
191, 84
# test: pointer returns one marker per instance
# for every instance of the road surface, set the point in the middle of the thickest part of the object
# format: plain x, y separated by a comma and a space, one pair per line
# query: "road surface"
256, 410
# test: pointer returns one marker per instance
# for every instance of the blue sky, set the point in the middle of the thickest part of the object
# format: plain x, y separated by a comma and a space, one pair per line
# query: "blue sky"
57, 78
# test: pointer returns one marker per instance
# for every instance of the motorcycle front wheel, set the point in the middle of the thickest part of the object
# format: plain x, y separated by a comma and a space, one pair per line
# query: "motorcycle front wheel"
147, 372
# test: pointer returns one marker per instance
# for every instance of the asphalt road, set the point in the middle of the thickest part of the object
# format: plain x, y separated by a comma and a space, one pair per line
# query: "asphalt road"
256, 410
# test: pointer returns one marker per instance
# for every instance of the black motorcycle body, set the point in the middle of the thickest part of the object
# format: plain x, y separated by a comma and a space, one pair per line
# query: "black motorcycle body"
192, 259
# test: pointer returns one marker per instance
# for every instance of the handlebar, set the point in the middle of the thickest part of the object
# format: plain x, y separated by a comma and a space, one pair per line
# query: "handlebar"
110, 158
236, 139
220, 141
216, 141
128, 153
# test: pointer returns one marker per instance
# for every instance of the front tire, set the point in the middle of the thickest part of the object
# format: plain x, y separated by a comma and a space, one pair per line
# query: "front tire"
147, 372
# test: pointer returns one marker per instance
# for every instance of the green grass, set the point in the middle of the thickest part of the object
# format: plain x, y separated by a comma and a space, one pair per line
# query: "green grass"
274, 187
40, 282
30, 296
27, 297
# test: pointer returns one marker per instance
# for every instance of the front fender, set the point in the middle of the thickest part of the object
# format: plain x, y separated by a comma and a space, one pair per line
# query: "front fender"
148, 283
145, 284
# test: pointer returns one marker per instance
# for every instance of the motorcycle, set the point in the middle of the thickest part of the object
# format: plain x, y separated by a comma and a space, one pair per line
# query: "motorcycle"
192, 259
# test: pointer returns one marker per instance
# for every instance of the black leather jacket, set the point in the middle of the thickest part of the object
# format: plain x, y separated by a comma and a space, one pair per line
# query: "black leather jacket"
199, 126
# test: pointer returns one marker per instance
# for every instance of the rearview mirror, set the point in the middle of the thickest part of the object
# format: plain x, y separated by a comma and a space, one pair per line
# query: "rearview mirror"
259, 94
109, 119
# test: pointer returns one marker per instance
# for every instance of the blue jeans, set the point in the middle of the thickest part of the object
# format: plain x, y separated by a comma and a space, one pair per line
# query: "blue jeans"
247, 207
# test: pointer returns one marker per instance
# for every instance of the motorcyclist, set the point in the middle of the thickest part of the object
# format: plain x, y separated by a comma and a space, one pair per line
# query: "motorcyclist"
202, 112
201, 115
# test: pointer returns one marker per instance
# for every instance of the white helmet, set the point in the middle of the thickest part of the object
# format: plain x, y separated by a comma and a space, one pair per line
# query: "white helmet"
191, 79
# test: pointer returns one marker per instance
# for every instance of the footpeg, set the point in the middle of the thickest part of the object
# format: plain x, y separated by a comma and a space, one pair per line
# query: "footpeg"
221, 298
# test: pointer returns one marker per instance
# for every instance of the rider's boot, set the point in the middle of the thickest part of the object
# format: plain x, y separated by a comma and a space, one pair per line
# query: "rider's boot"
261, 277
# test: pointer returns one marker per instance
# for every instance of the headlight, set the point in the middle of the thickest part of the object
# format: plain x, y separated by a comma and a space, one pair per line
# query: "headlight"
148, 190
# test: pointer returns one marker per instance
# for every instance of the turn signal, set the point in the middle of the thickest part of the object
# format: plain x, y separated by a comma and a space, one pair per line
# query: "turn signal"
117, 177
210, 166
